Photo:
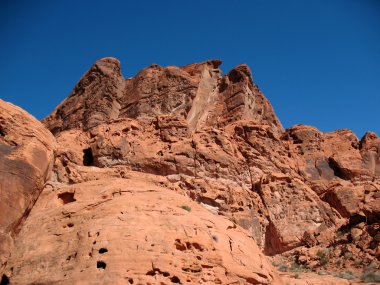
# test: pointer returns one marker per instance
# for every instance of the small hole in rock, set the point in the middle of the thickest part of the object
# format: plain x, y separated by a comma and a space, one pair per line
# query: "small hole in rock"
70, 225
66, 197
101, 264
88, 158
103, 250
175, 279
130, 280
4, 280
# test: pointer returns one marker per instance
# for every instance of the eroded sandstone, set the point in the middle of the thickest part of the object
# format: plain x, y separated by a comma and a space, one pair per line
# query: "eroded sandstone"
27, 156
130, 151
132, 231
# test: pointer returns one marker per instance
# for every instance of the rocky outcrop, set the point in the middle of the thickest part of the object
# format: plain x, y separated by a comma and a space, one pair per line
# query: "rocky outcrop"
341, 170
196, 93
27, 156
216, 167
216, 139
95, 98
129, 152
132, 231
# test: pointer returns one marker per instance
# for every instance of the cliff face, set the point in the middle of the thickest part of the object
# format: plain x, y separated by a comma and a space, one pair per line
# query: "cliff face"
26, 152
182, 175
196, 94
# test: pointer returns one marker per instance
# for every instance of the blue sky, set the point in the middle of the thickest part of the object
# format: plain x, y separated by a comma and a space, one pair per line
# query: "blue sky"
318, 62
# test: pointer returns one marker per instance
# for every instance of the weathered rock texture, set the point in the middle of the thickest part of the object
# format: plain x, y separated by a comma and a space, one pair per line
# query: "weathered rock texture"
132, 231
26, 161
130, 151
196, 95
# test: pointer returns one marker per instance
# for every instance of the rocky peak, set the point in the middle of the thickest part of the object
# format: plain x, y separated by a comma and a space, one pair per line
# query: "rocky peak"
370, 139
196, 93
240, 73
94, 99
197, 68
104, 67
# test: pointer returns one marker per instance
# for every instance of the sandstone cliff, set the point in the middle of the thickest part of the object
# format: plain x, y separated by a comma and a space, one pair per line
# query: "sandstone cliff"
26, 151
182, 175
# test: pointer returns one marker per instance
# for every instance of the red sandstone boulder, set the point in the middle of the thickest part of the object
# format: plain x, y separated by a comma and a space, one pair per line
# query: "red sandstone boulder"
26, 161
132, 231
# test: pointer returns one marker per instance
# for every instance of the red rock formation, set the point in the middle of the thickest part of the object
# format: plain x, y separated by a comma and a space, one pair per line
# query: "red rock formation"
196, 93
343, 171
123, 144
132, 231
95, 98
26, 151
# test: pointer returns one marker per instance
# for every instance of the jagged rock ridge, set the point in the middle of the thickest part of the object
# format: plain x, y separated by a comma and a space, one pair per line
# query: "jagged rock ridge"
210, 138
197, 94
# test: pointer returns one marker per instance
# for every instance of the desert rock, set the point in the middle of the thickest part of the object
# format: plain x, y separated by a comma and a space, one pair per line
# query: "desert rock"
27, 157
132, 231
149, 164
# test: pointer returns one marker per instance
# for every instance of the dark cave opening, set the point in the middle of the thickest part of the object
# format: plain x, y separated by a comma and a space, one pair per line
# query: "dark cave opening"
4, 280
101, 264
103, 250
66, 197
88, 158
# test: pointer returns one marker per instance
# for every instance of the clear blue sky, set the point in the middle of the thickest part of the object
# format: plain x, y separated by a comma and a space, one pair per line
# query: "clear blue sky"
318, 62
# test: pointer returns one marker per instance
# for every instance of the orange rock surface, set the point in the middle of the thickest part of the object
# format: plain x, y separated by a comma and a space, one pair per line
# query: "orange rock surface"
183, 175
132, 231
26, 161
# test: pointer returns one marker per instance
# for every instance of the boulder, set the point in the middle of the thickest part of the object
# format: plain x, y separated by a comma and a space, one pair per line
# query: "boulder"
132, 231
26, 161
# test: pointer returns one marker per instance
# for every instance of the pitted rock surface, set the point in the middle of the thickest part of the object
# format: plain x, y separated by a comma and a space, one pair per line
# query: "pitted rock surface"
132, 231
190, 136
